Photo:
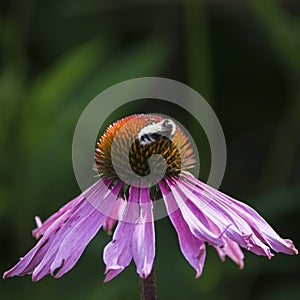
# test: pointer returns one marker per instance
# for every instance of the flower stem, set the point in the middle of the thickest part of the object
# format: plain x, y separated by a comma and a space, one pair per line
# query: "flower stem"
148, 287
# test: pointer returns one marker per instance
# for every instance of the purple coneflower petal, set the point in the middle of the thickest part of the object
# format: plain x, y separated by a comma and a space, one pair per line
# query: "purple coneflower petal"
115, 215
229, 223
118, 253
80, 235
143, 239
66, 238
53, 244
67, 209
197, 226
191, 247
262, 229
255, 231
31, 260
232, 250
38, 221
229, 248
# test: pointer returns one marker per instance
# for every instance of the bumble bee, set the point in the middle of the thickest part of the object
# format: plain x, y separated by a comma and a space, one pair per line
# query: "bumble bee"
152, 132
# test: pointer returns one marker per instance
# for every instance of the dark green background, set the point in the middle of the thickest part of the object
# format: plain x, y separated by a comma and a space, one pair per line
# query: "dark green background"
242, 56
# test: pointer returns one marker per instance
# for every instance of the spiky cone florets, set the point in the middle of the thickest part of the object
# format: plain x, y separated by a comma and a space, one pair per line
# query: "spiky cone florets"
137, 139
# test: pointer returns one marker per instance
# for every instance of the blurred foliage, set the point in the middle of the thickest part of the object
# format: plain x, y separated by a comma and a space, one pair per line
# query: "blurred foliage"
243, 56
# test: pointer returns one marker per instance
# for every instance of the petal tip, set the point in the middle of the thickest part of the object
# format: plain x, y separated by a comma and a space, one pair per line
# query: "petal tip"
241, 265
38, 221
292, 247
198, 274
112, 273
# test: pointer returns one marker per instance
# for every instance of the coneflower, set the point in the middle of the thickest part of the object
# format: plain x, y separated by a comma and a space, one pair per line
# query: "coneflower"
199, 213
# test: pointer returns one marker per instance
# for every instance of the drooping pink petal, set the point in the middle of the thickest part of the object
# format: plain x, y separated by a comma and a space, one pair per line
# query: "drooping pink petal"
30, 261
74, 237
261, 228
232, 250
197, 226
66, 238
244, 216
69, 207
143, 238
115, 215
53, 244
229, 223
229, 248
27, 263
118, 253
38, 221
191, 247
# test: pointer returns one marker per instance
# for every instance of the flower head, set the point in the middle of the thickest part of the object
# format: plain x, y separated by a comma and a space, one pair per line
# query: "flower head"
126, 195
